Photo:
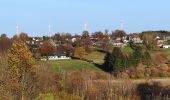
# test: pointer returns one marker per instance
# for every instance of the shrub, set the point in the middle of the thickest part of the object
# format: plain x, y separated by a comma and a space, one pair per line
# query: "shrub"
153, 91
140, 71
164, 67
147, 72
79, 52
154, 72
159, 59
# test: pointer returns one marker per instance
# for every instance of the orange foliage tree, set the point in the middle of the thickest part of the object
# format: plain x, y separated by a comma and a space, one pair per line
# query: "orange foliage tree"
47, 48
20, 70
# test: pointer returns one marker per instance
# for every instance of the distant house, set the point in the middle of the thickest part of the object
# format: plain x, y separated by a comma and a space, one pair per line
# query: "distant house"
136, 40
73, 39
165, 46
160, 43
118, 42
166, 38
35, 41
157, 37
125, 41
58, 57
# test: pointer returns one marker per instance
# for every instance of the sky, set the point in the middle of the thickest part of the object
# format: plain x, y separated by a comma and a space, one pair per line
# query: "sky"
34, 16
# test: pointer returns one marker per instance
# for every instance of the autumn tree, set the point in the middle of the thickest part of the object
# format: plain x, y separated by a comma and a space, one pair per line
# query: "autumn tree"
118, 34
79, 52
5, 43
149, 40
85, 34
62, 37
4, 93
86, 42
20, 70
146, 59
160, 58
102, 38
78, 42
47, 48
23, 36
99, 35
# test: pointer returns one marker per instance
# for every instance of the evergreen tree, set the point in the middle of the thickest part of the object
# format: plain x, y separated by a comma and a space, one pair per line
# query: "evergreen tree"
137, 55
108, 62
118, 59
114, 61
146, 59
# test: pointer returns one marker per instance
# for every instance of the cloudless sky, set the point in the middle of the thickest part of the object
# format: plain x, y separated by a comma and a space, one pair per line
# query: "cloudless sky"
34, 16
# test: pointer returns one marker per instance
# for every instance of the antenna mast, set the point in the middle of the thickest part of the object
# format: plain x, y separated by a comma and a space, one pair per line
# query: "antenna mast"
17, 30
49, 30
85, 27
121, 25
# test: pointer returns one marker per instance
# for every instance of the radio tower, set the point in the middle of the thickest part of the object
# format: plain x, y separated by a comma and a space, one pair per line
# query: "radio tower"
49, 30
85, 27
121, 25
17, 30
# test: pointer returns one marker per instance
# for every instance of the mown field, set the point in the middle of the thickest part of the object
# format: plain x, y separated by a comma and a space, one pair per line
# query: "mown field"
68, 65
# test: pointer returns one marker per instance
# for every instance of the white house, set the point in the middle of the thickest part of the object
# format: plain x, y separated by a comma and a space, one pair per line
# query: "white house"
166, 46
137, 40
57, 57
157, 37
119, 44
73, 40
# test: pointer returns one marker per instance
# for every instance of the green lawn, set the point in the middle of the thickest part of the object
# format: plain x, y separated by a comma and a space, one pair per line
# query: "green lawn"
67, 65
96, 56
126, 49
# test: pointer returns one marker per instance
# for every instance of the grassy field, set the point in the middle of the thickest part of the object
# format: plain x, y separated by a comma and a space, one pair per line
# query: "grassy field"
161, 50
96, 56
127, 50
68, 65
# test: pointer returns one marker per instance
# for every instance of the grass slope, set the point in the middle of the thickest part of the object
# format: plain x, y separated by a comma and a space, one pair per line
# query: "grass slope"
68, 65
96, 56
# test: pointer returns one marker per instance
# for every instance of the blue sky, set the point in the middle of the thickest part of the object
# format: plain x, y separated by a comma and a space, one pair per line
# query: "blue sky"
34, 16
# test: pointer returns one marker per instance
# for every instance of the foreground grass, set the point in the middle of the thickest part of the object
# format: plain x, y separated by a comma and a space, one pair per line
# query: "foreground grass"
68, 65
